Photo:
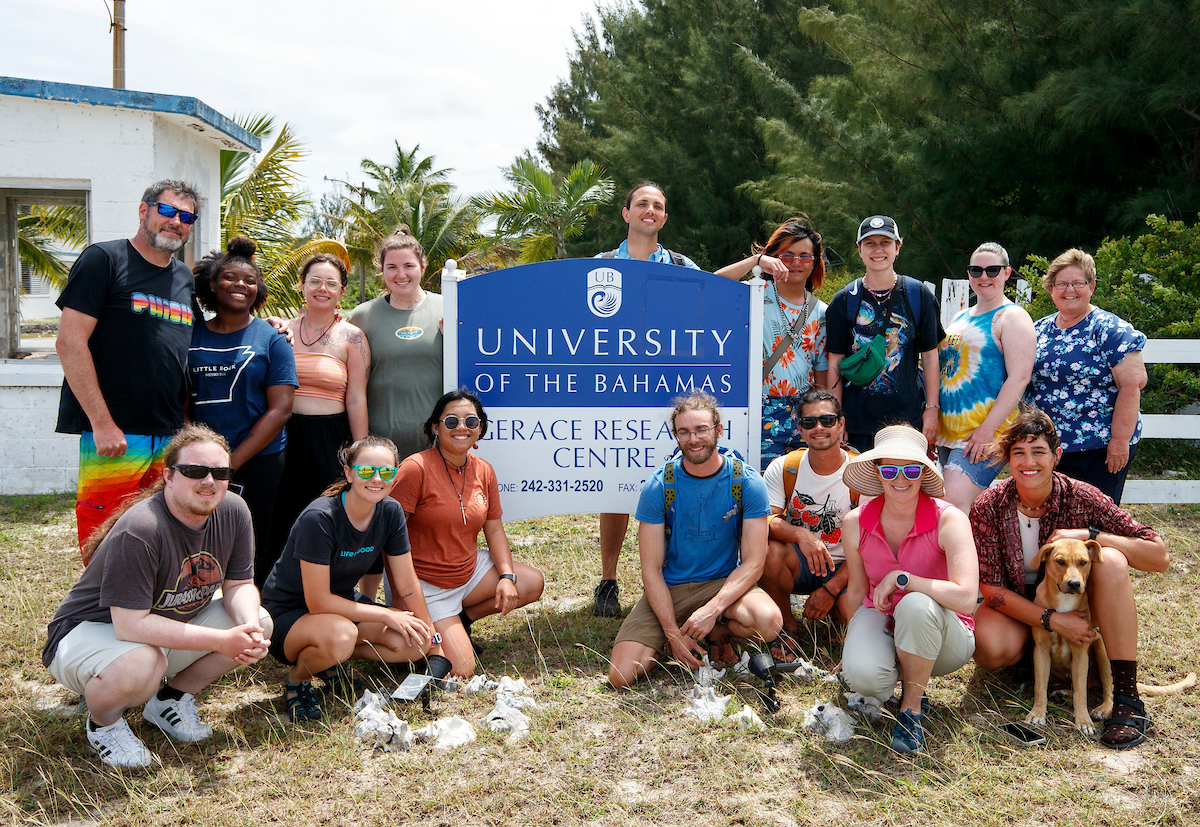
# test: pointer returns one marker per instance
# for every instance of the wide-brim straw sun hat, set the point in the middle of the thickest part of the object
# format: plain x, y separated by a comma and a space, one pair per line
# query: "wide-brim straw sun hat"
898, 442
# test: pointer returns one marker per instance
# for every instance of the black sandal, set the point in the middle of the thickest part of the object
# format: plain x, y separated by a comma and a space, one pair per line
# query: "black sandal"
1140, 722
300, 703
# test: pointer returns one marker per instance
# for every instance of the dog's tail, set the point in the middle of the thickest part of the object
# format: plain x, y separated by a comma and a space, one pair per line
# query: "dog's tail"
1152, 691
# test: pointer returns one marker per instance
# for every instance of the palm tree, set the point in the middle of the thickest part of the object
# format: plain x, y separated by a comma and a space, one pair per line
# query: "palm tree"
42, 229
545, 209
411, 192
260, 199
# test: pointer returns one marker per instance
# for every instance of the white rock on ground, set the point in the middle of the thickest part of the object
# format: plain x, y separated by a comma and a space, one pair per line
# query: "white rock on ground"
831, 721
505, 718
747, 719
446, 733
706, 704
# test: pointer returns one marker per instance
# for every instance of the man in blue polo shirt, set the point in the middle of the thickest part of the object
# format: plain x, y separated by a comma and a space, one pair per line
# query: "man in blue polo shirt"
645, 212
703, 541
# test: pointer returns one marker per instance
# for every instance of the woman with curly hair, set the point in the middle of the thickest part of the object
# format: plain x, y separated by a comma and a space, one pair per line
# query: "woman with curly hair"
793, 329
243, 377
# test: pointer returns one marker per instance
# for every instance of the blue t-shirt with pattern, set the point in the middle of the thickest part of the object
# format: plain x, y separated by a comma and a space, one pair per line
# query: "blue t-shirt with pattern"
1072, 376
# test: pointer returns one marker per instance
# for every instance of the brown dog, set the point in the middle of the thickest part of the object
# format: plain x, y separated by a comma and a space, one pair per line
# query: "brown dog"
1064, 589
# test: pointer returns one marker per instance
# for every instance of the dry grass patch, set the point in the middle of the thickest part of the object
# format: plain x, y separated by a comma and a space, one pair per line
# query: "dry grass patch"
594, 756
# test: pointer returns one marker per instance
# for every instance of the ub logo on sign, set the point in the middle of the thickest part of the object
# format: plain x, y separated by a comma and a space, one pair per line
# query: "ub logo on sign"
604, 292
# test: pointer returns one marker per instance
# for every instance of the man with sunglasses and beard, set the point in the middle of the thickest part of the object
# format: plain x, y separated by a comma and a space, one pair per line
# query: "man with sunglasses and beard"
145, 607
808, 503
702, 537
127, 314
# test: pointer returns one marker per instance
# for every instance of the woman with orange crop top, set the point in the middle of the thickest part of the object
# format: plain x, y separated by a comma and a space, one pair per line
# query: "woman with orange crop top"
330, 406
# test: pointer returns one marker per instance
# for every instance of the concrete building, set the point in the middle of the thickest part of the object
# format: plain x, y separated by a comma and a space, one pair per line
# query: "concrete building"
97, 148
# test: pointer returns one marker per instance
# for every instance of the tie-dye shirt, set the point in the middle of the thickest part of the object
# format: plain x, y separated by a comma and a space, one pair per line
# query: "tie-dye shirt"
1072, 376
972, 374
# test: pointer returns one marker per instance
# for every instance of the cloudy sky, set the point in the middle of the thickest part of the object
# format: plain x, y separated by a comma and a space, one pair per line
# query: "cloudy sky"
353, 76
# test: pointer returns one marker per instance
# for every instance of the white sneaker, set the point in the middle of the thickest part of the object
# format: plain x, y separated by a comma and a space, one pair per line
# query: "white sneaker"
179, 719
118, 746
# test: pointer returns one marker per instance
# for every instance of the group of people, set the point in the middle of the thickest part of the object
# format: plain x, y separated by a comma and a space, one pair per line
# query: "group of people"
351, 465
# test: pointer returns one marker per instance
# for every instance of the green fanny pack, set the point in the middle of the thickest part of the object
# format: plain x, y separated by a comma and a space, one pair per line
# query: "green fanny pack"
863, 367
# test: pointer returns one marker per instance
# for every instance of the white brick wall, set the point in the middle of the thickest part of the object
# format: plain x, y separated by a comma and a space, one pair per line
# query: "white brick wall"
33, 458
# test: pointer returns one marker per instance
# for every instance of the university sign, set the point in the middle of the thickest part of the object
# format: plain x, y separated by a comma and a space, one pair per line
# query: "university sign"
577, 362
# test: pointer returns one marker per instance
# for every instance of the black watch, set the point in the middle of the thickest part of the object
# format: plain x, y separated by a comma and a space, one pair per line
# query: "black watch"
510, 576
1093, 532
902, 580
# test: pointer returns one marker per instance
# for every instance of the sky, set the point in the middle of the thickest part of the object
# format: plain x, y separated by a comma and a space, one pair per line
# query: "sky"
460, 79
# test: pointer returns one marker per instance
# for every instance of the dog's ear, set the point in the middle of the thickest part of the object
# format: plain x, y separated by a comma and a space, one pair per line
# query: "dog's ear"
1093, 551
1043, 553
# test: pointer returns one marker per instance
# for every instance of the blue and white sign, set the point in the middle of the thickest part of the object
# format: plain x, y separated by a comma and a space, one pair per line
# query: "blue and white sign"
577, 363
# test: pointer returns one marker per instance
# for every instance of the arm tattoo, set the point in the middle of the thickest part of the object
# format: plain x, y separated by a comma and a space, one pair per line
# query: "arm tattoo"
995, 600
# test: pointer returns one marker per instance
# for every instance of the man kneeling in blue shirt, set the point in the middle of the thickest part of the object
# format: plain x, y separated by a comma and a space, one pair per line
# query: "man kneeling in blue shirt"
699, 514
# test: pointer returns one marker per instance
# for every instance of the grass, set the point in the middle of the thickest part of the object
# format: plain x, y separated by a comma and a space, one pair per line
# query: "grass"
594, 756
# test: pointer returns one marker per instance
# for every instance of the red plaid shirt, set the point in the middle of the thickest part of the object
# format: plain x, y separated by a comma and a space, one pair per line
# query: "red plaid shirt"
1072, 504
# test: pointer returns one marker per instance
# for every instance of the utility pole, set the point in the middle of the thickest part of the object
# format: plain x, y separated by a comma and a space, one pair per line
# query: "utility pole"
118, 30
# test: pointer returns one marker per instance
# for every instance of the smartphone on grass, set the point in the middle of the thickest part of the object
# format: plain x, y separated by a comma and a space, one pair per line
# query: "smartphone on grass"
1022, 734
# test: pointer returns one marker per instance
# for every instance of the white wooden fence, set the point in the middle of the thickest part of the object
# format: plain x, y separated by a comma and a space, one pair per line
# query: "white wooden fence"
956, 293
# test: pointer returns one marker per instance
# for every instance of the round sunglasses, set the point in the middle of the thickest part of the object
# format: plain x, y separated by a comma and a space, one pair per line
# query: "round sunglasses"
451, 422
911, 472
387, 473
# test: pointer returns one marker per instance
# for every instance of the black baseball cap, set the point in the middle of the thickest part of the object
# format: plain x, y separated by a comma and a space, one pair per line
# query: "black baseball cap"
878, 225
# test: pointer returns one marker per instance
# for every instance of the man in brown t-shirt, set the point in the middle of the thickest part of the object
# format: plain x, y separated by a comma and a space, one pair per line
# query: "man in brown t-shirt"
144, 607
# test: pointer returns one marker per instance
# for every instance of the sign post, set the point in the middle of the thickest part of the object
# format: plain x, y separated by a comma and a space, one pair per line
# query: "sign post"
577, 362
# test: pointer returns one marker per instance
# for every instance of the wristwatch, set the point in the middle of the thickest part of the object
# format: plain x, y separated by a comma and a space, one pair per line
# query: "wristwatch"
509, 576
1093, 532
902, 579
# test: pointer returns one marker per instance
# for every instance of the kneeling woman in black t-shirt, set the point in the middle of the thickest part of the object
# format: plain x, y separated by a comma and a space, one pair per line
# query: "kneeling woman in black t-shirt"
354, 529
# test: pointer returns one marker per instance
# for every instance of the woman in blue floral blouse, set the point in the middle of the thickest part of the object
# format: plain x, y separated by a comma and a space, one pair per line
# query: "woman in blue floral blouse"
1088, 375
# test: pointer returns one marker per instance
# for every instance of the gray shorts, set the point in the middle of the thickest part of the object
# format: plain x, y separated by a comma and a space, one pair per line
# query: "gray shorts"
91, 647
444, 603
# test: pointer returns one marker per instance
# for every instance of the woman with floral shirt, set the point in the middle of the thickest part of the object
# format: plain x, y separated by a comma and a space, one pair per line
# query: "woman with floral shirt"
793, 264
1088, 376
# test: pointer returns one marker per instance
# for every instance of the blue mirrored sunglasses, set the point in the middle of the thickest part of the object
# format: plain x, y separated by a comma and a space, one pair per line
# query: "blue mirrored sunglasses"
167, 211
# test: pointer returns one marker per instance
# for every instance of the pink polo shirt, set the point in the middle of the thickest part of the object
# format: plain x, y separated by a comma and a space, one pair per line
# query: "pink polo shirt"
919, 554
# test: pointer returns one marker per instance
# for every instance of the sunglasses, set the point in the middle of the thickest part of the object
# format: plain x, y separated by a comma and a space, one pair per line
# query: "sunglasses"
199, 472
451, 422
826, 420
911, 472
803, 258
387, 473
992, 270
167, 211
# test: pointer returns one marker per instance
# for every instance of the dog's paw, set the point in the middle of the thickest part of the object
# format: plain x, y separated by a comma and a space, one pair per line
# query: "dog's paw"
1102, 712
1036, 719
1086, 727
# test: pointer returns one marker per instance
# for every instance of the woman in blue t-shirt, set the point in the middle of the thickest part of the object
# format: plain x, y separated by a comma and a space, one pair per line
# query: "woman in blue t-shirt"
353, 529
243, 376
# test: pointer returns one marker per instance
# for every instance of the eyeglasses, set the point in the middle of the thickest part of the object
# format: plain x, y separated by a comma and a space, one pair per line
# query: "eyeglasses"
451, 422
313, 282
826, 420
199, 472
992, 270
167, 211
911, 472
803, 258
683, 435
1062, 286
387, 473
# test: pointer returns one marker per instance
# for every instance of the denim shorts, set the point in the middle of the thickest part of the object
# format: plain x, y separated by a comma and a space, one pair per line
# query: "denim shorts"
981, 473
